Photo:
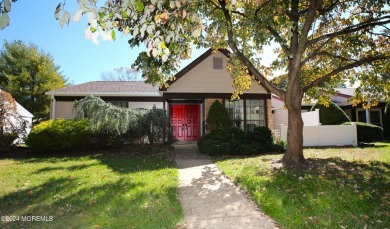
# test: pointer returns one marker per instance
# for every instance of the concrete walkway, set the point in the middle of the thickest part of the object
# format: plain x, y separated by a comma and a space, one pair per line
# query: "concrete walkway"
209, 199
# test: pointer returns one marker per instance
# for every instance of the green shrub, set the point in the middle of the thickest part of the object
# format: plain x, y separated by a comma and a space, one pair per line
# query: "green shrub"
331, 115
221, 141
150, 127
8, 138
218, 117
234, 141
59, 135
154, 122
367, 132
386, 122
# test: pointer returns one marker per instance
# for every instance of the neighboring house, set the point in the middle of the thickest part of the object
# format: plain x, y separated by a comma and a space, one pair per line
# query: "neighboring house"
187, 99
21, 119
374, 115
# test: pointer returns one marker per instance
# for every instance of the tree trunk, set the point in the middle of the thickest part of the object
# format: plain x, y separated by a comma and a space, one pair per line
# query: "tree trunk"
294, 152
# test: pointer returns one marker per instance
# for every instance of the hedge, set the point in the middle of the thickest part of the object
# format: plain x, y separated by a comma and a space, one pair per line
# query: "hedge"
234, 141
331, 115
386, 122
367, 132
59, 135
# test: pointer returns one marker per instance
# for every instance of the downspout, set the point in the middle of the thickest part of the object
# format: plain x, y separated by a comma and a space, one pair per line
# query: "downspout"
53, 113
368, 118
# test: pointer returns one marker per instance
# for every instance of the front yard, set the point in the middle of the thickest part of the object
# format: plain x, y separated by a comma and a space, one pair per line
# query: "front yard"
116, 190
343, 188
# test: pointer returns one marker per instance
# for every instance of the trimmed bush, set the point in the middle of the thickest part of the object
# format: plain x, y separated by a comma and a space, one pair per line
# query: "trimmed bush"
218, 116
221, 141
8, 138
367, 132
234, 141
386, 122
331, 115
59, 135
154, 122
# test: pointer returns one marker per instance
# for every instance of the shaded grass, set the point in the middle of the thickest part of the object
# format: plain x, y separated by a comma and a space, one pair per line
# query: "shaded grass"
120, 190
343, 187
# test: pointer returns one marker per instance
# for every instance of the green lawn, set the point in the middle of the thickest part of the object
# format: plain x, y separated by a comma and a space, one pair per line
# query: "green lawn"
116, 190
343, 187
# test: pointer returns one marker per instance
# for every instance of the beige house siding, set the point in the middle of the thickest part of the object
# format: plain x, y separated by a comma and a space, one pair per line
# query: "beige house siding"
204, 79
145, 105
64, 110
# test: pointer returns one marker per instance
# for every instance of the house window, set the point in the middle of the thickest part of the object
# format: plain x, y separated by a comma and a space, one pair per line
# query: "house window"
255, 114
217, 63
118, 103
375, 116
236, 112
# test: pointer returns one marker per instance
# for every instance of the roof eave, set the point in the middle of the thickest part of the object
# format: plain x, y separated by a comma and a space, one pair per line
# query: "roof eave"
106, 94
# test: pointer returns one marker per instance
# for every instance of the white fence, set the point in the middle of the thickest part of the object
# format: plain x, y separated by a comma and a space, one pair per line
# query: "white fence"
330, 135
311, 118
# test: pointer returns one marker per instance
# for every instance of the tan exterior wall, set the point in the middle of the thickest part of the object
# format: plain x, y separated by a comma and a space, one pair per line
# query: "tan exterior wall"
145, 105
204, 79
64, 110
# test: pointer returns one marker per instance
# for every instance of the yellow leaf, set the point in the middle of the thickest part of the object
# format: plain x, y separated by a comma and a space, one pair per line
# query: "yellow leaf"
162, 44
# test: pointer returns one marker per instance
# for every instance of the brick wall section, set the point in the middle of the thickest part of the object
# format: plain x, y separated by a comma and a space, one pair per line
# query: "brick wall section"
269, 114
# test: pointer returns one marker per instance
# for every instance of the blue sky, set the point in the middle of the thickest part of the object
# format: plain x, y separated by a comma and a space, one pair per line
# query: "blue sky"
32, 21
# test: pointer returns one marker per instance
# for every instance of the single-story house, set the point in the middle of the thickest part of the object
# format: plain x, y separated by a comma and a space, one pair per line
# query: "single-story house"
187, 99
374, 115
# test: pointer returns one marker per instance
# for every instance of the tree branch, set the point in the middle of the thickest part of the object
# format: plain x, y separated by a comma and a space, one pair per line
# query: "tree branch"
314, 5
343, 68
353, 28
315, 52
243, 58
261, 7
279, 39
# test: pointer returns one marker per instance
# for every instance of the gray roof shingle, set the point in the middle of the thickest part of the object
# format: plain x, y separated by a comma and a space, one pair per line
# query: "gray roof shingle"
108, 88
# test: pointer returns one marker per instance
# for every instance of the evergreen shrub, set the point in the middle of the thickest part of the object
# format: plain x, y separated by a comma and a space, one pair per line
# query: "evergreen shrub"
234, 141
218, 117
153, 123
386, 122
59, 135
331, 115
8, 138
368, 132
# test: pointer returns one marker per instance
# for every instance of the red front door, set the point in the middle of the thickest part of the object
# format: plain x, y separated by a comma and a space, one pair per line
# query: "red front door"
185, 121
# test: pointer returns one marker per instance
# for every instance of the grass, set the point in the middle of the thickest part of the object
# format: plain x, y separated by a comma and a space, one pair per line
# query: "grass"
108, 190
343, 187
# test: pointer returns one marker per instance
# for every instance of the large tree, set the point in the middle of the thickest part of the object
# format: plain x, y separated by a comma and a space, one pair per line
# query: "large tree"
28, 73
320, 43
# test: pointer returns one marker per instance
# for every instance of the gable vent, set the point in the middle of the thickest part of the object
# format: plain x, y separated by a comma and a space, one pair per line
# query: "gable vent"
217, 63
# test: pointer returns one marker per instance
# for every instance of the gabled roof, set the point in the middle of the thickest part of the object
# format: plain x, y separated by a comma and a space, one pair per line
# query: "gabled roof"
194, 63
108, 88
22, 111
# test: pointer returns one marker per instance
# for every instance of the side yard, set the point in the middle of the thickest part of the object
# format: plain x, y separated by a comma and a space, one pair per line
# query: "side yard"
342, 188
125, 189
